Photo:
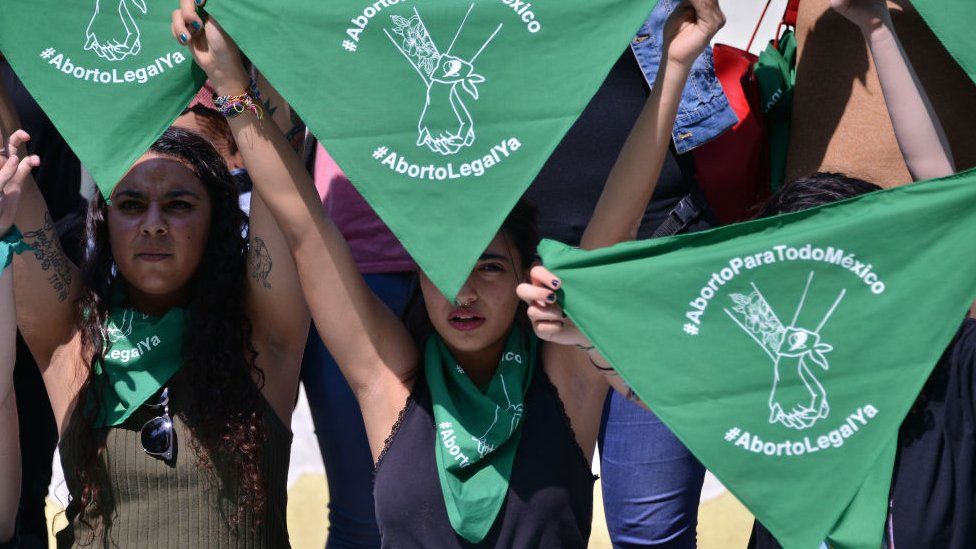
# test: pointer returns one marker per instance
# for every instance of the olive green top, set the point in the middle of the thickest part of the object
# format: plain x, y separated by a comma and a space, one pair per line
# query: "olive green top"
180, 505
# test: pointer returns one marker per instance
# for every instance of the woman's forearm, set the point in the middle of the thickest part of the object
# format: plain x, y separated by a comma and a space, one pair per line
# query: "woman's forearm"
634, 176
920, 136
361, 333
10, 446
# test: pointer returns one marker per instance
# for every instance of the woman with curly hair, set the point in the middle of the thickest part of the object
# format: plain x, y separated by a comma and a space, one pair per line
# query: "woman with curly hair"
171, 356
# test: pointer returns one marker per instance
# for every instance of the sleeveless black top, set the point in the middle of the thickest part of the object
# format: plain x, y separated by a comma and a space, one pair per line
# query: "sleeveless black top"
550, 494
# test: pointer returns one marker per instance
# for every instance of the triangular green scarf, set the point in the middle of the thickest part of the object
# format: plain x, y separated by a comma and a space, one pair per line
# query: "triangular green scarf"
776, 73
478, 431
107, 73
142, 354
952, 22
769, 348
446, 110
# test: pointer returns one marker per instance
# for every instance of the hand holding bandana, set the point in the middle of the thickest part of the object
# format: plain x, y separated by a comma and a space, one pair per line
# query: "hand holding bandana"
105, 72
440, 112
767, 347
13, 172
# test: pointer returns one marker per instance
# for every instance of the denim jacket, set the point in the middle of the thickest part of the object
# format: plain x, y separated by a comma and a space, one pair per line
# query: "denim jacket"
704, 112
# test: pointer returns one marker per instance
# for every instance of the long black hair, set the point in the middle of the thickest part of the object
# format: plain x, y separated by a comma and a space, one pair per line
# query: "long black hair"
218, 356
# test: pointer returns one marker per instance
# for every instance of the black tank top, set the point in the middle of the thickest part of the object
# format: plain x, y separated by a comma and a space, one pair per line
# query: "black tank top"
550, 494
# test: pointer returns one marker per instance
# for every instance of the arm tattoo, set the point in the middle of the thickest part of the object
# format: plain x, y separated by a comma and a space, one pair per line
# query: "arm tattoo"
296, 134
259, 261
48, 254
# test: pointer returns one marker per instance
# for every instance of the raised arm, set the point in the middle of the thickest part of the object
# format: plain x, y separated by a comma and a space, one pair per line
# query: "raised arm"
617, 217
13, 171
369, 343
46, 279
920, 136
276, 306
10, 449
634, 176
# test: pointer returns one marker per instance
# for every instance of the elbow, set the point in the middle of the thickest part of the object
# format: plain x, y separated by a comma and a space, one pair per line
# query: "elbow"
605, 239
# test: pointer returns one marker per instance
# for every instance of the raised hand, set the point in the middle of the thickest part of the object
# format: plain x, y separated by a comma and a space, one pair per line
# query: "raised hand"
113, 33
690, 29
14, 170
214, 51
548, 320
866, 14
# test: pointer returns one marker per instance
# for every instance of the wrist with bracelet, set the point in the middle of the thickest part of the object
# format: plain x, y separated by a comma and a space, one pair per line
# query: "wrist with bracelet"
11, 243
233, 105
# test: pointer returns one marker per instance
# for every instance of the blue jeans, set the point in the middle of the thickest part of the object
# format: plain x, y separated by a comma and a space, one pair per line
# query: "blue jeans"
651, 482
341, 433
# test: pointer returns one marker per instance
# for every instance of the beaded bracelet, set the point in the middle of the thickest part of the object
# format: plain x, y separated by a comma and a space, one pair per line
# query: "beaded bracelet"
233, 105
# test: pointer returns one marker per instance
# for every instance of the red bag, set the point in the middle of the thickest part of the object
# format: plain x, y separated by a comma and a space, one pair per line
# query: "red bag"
733, 169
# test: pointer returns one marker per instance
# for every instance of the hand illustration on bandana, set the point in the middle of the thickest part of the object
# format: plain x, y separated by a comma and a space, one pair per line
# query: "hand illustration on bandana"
445, 124
797, 399
120, 331
516, 412
806, 402
113, 34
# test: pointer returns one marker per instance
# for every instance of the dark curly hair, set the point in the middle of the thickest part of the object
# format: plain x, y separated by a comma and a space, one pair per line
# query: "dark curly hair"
814, 190
218, 357
521, 233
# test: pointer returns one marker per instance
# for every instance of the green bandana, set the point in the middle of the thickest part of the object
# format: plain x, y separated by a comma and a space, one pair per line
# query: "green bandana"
143, 354
952, 22
776, 73
478, 431
106, 72
11, 244
441, 112
785, 352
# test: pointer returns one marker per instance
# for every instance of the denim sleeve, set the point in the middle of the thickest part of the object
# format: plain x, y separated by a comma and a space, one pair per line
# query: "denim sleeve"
704, 112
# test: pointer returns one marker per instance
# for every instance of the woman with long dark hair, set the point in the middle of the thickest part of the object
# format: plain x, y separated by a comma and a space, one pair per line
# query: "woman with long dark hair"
171, 355
481, 434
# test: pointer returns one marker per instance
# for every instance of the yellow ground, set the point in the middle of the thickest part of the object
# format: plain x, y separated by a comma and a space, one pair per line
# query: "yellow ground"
723, 522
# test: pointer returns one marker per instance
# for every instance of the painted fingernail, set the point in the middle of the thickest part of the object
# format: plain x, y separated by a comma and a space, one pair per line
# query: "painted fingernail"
183, 37
555, 283
551, 298
196, 25
199, 2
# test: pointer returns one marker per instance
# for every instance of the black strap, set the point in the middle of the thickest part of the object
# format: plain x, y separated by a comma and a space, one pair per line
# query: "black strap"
679, 218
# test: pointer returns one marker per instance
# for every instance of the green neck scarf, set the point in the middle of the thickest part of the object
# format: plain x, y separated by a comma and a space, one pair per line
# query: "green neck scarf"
478, 431
142, 354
